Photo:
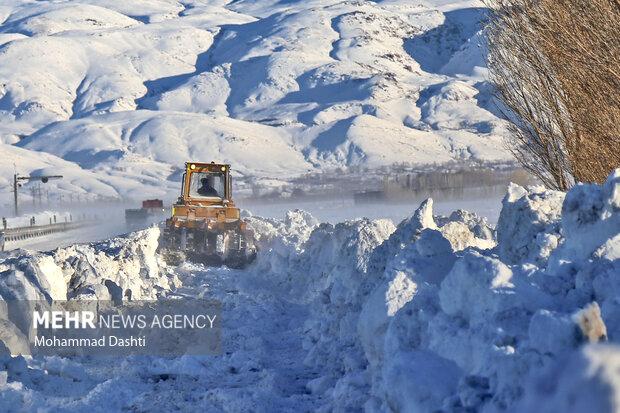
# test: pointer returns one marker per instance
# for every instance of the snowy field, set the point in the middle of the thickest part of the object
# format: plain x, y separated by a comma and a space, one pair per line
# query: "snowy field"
117, 95
435, 314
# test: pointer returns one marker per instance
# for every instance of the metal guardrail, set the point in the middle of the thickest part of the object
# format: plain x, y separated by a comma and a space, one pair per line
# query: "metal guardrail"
21, 233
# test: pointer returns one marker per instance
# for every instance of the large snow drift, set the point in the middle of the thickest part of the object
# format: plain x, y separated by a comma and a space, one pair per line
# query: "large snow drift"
435, 314
132, 89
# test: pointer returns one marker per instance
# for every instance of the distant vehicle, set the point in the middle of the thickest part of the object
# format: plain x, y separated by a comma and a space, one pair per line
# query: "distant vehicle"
205, 225
141, 217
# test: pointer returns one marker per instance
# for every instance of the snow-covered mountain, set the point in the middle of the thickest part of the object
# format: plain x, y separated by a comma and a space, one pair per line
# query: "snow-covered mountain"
116, 95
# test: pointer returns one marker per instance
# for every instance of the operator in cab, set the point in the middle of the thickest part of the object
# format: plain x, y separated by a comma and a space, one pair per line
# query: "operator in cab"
207, 187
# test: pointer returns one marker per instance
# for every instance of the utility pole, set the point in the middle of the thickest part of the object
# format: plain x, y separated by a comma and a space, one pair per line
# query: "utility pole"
15, 194
16, 185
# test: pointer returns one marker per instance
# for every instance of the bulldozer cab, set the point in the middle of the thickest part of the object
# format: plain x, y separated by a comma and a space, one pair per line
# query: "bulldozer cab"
206, 183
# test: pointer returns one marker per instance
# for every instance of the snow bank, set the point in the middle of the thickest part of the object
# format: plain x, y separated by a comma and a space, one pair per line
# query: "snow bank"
446, 313
344, 270
584, 381
490, 324
122, 268
528, 228
127, 265
436, 314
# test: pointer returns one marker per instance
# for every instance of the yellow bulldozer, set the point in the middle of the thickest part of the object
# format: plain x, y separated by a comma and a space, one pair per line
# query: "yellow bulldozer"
205, 225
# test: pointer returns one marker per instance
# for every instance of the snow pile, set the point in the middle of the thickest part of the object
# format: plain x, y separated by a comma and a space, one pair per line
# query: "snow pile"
445, 313
122, 268
436, 314
528, 228
336, 263
334, 269
472, 326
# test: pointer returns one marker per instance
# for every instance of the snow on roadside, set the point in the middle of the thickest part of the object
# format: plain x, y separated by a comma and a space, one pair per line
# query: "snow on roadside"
116, 269
437, 313
41, 218
476, 328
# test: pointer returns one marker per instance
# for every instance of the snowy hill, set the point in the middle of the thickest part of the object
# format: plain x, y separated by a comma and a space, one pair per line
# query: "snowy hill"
124, 92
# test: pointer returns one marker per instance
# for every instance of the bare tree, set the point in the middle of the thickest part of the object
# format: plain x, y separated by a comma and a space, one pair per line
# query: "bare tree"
556, 68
